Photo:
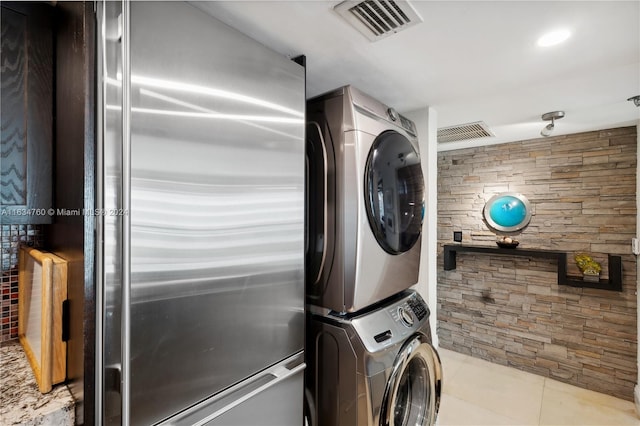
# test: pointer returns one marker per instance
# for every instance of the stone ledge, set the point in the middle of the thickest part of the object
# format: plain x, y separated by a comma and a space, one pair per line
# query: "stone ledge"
21, 403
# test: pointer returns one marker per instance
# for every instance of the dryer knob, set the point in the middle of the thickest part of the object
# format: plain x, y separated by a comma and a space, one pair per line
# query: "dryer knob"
405, 317
393, 114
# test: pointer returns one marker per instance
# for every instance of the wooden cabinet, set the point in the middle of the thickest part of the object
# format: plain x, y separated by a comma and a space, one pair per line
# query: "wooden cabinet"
27, 113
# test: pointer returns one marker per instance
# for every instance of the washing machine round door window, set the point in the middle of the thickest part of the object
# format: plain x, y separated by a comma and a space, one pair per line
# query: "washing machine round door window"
412, 396
394, 192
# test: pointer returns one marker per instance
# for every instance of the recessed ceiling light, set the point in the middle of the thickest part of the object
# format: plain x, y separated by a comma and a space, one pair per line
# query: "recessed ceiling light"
554, 37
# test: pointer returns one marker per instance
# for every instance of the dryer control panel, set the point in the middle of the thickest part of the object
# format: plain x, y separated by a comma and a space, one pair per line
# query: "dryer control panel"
374, 108
401, 120
407, 124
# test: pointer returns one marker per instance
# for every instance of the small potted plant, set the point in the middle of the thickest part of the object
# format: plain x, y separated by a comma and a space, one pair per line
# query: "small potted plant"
590, 268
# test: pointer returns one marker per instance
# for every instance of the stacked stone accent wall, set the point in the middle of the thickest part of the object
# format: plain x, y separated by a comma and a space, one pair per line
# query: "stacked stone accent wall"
510, 310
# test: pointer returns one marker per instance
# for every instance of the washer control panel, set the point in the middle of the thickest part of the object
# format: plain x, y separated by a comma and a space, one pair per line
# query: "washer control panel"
418, 308
405, 317
389, 324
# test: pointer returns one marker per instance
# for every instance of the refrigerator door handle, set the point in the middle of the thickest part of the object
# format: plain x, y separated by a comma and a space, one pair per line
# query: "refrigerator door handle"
112, 378
231, 398
125, 320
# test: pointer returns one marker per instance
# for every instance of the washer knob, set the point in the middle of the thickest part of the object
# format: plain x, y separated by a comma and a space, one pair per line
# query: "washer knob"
393, 114
405, 317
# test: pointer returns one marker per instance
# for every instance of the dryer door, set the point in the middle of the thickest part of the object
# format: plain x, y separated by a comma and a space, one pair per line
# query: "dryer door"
412, 396
394, 192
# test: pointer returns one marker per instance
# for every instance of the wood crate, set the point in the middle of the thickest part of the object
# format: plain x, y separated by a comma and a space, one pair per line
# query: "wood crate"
42, 287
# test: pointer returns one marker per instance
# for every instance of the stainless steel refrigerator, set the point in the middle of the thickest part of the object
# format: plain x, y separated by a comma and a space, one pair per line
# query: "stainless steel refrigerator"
200, 222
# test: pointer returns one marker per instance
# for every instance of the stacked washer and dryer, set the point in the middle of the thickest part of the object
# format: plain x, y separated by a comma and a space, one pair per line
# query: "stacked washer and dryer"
369, 359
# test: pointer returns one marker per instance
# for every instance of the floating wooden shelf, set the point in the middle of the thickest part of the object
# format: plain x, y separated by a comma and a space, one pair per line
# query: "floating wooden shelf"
614, 283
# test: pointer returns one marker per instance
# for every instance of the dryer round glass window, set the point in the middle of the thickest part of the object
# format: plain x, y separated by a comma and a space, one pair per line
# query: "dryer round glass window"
394, 192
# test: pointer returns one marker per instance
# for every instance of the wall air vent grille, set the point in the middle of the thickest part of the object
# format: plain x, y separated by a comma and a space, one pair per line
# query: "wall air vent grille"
377, 19
463, 132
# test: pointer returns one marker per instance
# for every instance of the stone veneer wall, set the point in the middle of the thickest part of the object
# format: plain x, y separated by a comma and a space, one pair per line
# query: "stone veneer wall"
510, 310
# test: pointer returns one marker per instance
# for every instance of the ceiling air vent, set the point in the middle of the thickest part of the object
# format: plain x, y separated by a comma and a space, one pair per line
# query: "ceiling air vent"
463, 132
377, 19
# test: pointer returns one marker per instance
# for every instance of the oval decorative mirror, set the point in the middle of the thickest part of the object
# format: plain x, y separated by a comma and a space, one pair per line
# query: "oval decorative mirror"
507, 212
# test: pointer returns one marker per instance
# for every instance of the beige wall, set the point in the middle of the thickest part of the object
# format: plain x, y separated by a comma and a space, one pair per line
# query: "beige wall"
510, 310
426, 124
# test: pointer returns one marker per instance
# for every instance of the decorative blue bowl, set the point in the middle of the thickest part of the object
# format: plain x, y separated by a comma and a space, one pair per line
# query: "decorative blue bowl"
507, 212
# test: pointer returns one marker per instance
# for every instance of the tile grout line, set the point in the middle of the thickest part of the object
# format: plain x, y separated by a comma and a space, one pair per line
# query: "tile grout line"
577, 400
544, 388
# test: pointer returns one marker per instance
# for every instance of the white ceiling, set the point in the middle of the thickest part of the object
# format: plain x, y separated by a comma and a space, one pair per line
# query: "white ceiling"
469, 60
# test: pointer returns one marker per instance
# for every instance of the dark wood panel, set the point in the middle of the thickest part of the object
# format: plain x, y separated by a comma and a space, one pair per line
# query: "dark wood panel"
27, 116
74, 189
13, 77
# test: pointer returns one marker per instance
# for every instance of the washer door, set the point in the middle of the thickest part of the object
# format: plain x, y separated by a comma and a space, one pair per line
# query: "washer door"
394, 192
412, 396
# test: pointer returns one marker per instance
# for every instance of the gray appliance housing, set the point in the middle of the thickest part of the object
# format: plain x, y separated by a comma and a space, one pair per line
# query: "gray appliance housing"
200, 261
374, 368
366, 201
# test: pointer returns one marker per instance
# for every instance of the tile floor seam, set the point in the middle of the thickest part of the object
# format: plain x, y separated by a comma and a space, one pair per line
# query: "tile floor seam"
559, 404
544, 388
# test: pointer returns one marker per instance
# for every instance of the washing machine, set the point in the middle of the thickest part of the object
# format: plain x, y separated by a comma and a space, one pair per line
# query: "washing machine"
375, 368
365, 200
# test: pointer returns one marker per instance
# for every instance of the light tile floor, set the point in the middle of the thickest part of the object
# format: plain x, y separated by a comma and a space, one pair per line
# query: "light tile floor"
477, 392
